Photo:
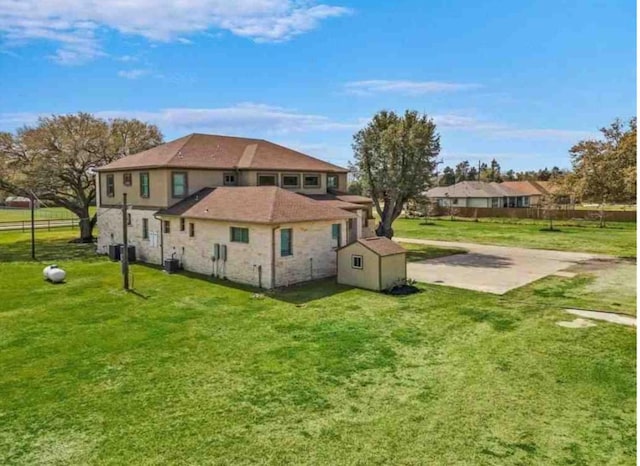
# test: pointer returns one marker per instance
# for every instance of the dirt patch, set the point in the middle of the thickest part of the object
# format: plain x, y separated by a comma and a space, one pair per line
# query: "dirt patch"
576, 323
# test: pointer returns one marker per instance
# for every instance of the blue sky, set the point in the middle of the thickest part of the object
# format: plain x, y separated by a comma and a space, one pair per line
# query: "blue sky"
518, 81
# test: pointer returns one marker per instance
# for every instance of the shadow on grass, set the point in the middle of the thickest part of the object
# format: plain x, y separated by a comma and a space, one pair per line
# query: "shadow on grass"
300, 293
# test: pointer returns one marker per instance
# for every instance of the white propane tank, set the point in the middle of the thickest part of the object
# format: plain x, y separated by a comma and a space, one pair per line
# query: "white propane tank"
54, 274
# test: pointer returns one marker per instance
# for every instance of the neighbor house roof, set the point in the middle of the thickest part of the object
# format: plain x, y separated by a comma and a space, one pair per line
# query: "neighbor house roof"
254, 204
381, 245
524, 188
468, 189
224, 153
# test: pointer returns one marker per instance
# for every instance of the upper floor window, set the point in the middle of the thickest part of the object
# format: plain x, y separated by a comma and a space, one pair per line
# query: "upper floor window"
286, 242
111, 188
126, 179
290, 181
267, 179
239, 235
178, 184
332, 181
144, 184
311, 181
229, 179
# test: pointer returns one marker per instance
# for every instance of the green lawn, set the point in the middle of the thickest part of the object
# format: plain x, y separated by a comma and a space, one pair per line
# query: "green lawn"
420, 252
45, 213
618, 239
188, 371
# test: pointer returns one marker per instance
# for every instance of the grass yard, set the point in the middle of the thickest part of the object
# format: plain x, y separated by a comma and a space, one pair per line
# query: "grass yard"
618, 239
188, 371
44, 213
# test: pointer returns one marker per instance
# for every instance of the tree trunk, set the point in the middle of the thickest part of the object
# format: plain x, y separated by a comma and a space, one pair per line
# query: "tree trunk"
86, 224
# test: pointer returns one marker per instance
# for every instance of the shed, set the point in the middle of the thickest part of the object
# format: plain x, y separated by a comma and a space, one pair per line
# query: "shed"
375, 263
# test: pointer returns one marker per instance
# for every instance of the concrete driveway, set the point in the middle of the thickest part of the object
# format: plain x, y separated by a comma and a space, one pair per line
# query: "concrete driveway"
492, 269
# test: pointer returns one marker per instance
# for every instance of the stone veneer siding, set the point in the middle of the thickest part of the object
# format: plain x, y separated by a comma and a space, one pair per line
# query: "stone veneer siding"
313, 252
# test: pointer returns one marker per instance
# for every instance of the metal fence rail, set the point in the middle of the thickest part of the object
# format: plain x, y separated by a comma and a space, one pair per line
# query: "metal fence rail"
25, 225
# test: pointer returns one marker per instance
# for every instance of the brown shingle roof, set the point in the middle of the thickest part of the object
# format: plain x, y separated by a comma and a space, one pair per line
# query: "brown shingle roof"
350, 198
382, 245
523, 188
254, 204
222, 152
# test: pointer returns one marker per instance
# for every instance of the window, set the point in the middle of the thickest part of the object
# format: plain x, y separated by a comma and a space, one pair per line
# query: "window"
356, 262
229, 179
181, 224
239, 235
455, 201
332, 181
290, 181
167, 226
336, 230
192, 230
126, 179
286, 246
145, 228
267, 180
111, 188
311, 181
178, 184
144, 184
129, 219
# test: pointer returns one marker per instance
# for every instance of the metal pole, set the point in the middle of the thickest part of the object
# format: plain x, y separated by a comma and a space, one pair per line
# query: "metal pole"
124, 254
33, 227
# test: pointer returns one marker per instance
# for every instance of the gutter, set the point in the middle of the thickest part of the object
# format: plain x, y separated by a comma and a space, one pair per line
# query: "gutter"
273, 255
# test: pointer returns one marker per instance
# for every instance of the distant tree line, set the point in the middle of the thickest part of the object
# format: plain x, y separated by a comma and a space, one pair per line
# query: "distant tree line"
464, 171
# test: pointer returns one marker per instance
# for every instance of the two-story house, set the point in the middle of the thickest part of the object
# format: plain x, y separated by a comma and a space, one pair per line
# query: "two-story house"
243, 209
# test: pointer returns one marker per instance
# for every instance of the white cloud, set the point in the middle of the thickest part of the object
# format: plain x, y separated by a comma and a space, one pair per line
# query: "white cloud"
378, 86
246, 119
133, 74
73, 25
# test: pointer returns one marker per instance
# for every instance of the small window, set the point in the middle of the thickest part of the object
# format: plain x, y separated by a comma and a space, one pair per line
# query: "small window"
111, 188
455, 201
126, 179
356, 262
267, 180
286, 246
290, 181
311, 181
145, 228
178, 184
192, 230
336, 230
332, 181
229, 179
239, 235
167, 226
144, 184
182, 221
129, 219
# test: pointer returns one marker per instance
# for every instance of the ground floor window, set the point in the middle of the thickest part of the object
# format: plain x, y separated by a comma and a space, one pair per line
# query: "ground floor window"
192, 230
239, 235
286, 246
332, 181
145, 228
356, 262
336, 234
167, 226
182, 224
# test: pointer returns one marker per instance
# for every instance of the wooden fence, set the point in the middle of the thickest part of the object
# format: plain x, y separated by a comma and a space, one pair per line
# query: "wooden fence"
537, 213
48, 224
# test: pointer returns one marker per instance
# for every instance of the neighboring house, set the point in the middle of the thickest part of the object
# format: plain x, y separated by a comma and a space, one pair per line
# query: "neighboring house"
243, 209
483, 194
375, 263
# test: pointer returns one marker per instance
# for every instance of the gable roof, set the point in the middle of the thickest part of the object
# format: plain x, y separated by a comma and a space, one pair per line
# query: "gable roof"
524, 188
254, 204
468, 189
381, 245
222, 152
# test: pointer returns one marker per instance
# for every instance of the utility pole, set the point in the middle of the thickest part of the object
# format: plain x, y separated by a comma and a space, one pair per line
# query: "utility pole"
33, 226
124, 254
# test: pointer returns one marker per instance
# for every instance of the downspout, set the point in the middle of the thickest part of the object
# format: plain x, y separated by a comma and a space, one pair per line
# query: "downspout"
273, 255
161, 242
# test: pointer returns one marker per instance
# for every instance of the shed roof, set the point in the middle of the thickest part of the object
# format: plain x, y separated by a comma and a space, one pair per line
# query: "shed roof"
380, 245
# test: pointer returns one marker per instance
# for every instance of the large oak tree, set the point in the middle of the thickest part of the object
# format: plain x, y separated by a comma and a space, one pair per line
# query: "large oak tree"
54, 160
396, 159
